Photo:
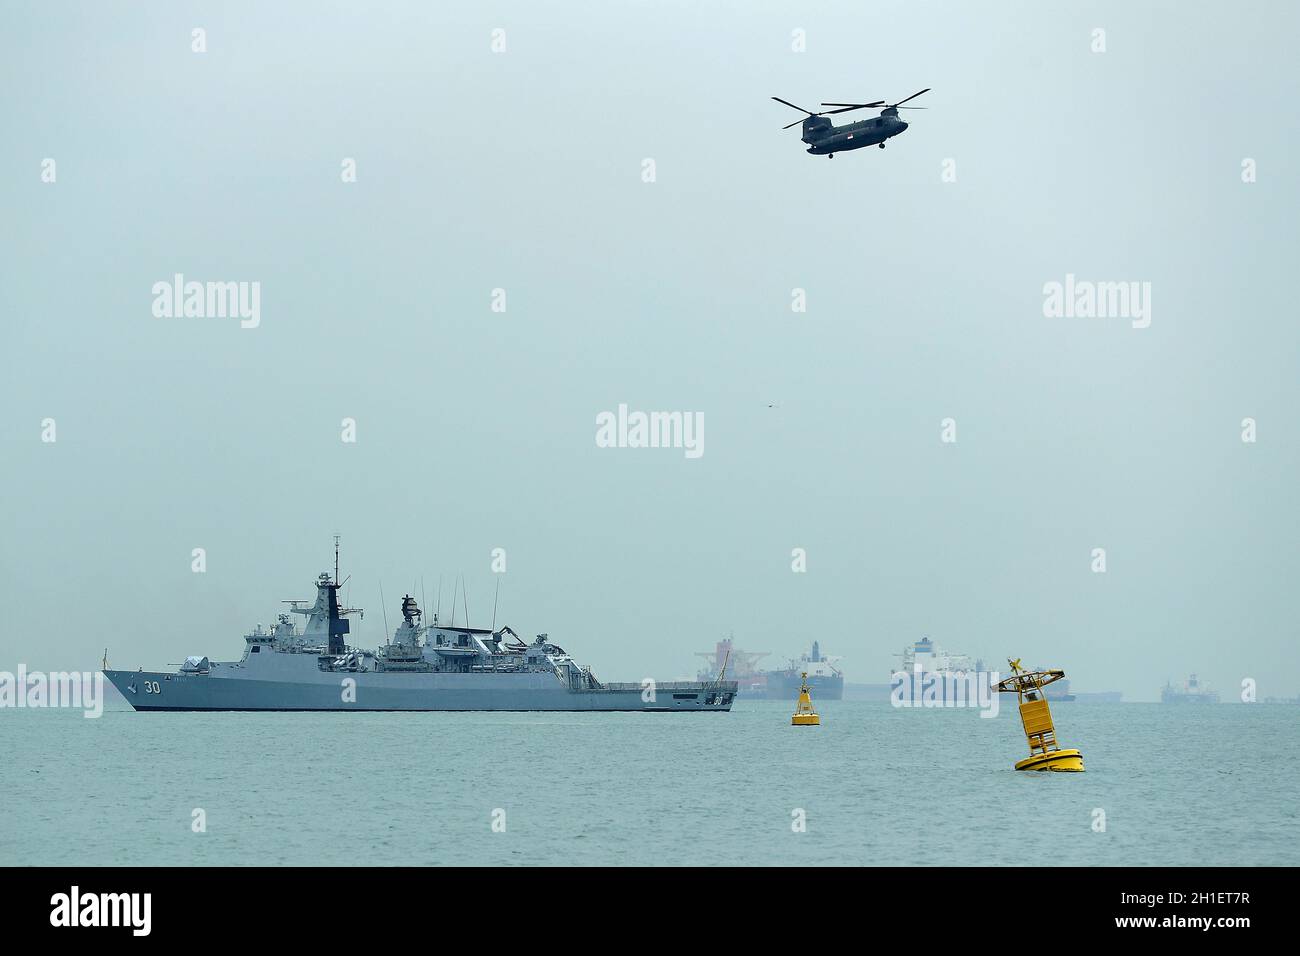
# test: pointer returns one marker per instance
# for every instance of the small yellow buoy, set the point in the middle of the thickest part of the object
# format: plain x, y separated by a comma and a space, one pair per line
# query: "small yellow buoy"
1044, 754
804, 715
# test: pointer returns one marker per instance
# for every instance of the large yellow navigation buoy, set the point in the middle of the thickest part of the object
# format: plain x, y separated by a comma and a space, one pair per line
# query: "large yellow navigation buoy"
1028, 686
804, 715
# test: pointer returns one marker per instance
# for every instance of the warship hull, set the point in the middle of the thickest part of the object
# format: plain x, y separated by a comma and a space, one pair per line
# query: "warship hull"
289, 685
420, 668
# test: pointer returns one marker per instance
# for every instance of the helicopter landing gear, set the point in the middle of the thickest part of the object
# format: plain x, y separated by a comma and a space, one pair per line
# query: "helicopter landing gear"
882, 145
830, 155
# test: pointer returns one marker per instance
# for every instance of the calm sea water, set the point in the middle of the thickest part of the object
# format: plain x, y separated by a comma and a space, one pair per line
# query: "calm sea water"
1205, 785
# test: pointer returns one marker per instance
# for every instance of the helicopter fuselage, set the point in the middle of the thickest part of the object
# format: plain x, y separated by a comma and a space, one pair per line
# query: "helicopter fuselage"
824, 138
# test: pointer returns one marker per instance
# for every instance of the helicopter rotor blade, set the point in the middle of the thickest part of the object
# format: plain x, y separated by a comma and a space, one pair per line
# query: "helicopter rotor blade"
792, 106
912, 97
849, 108
795, 123
857, 106
867, 106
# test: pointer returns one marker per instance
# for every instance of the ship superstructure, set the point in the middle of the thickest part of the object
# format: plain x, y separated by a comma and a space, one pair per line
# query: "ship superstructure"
421, 667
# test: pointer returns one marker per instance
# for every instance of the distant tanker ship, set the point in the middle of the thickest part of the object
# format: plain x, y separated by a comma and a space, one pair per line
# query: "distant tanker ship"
825, 679
926, 665
929, 671
740, 666
1191, 692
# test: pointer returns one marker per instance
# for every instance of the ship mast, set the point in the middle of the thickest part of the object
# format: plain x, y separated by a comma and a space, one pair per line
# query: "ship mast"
335, 625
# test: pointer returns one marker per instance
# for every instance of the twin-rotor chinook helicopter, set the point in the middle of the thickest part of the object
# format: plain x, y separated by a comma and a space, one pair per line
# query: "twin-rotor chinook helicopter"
825, 138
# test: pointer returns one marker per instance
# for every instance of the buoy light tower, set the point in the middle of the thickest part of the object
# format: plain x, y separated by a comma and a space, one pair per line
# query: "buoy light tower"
1044, 754
804, 715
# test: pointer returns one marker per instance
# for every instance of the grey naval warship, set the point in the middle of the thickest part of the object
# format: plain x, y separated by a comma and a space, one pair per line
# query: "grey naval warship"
423, 667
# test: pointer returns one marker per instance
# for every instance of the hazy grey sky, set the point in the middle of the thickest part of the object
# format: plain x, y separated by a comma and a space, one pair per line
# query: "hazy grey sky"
522, 170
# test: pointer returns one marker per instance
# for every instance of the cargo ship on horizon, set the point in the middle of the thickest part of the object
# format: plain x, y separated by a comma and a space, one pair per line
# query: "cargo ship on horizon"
740, 666
825, 679
929, 671
924, 663
1191, 692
